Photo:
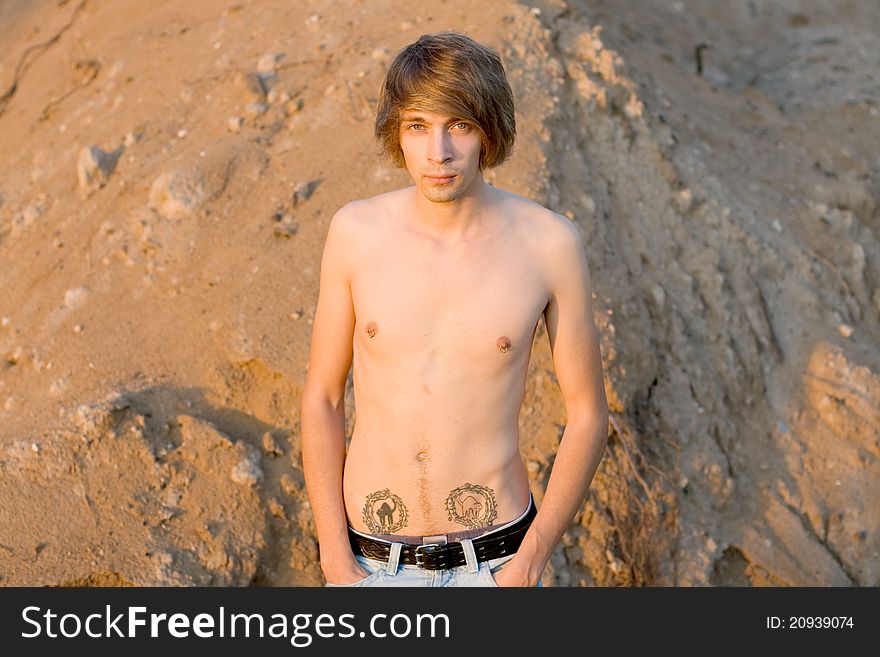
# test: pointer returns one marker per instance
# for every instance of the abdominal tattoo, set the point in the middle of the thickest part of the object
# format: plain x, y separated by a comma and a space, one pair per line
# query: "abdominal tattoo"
384, 512
472, 506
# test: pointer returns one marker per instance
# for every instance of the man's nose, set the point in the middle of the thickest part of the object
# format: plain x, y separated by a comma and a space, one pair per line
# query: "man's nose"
440, 147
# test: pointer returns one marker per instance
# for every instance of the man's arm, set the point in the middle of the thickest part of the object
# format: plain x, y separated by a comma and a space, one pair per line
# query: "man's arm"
578, 364
323, 402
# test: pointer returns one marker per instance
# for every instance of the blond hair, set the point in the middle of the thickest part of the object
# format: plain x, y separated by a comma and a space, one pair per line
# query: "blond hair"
448, 72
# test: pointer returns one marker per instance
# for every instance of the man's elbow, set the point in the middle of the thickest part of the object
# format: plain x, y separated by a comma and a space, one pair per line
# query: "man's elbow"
317, 395
592, 418
593, 412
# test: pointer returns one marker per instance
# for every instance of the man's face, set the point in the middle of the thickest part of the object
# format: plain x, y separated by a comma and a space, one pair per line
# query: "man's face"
442, 153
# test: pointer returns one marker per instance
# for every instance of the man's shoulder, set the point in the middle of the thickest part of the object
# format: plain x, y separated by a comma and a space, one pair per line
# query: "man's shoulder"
370, 204
358, 213
545, 228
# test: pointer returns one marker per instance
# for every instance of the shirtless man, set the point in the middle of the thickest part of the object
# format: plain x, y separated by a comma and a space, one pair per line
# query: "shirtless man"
433, 293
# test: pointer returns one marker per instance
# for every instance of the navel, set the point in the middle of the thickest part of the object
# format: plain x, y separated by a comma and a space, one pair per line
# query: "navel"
372, 328
503, 344
422, 456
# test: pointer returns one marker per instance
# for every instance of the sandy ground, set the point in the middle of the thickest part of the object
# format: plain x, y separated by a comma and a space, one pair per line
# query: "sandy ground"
167, 175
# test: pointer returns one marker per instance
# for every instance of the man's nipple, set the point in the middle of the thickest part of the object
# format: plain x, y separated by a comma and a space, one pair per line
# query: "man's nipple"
371, 329
503, 344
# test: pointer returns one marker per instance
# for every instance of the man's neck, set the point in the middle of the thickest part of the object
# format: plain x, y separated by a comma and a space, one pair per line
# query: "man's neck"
453, 221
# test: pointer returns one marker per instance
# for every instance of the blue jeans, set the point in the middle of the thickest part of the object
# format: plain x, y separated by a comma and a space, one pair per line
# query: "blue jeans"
408, 575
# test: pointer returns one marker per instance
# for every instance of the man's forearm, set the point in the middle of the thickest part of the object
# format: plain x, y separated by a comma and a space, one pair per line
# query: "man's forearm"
577, 459
323, 455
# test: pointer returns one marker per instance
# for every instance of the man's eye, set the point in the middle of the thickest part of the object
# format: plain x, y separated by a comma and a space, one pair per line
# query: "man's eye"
415, 125
463, 125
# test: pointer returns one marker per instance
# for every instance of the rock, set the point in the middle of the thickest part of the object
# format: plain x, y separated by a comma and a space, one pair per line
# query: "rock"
268, 63
177, 194
303, 191
247, 472
293, 106
658, 295
276, 96
255, 109
94, 167
683, 201
285, 226
254, 88
75, 297
288, 485
275, 508
269, 445
234, 123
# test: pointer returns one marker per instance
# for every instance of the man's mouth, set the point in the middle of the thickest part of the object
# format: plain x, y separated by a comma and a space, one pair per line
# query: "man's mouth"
440, 179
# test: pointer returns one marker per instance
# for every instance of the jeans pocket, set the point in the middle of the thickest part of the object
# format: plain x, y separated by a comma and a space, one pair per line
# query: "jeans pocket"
487, 574
374, 568
361, 582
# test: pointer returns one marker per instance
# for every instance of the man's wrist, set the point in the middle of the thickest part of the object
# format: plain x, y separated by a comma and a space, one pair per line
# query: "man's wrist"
534, 552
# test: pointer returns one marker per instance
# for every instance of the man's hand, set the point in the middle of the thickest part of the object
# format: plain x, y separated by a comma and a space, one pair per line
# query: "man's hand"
344, 573
517, 572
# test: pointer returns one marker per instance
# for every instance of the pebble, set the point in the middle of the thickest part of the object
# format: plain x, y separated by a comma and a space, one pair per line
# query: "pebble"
269, 445
176, 195
275, 508
658, 294
234, 123
255, 109
269, 62
132, 138
293, 106
75, 297
254, 88
683, 201
285, 228
94, 167
288, 485
276, 96
845, 330
303, 191
247, 472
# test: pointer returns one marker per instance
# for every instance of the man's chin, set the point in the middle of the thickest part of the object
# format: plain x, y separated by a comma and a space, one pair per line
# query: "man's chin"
441, 195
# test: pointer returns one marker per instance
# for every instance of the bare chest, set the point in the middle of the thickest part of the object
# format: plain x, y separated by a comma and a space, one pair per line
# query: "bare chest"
474, 307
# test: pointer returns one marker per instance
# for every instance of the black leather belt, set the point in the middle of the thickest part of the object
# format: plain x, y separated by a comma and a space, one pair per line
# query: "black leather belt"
440, 556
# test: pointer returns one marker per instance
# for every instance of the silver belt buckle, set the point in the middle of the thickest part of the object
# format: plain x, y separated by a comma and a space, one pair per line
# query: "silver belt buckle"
428, 548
